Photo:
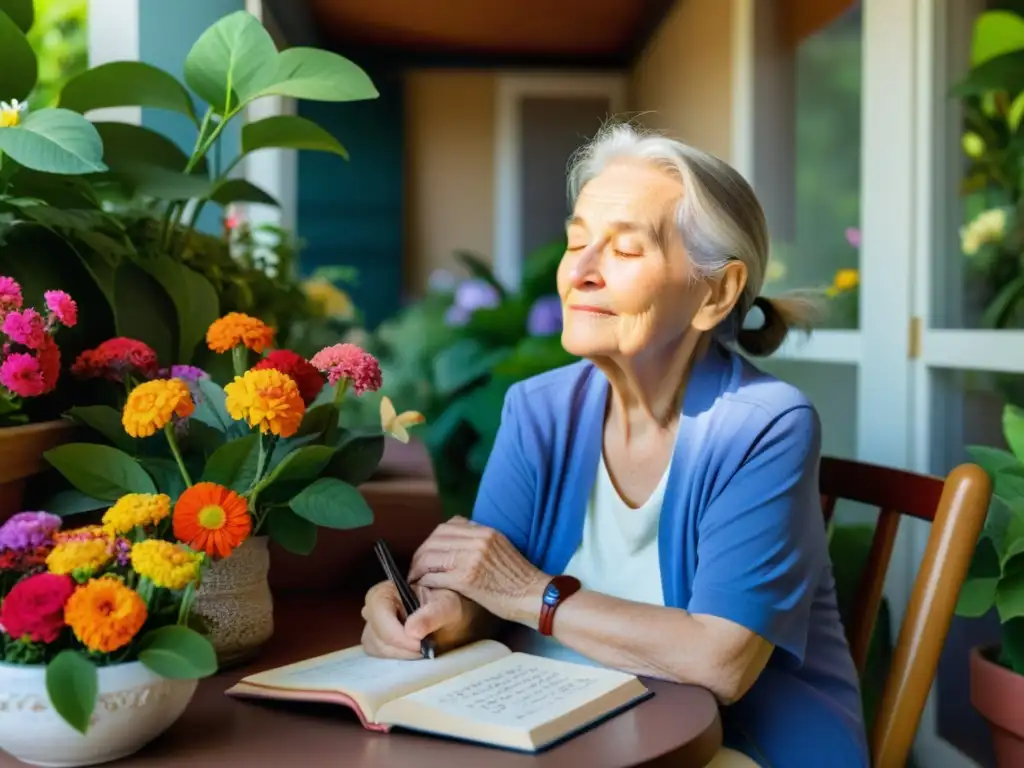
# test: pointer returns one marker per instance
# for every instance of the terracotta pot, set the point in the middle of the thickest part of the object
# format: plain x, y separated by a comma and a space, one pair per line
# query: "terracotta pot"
996, 693
21, 457
235, 603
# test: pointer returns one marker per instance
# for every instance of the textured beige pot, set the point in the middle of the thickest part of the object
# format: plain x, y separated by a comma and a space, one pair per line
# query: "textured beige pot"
235, 603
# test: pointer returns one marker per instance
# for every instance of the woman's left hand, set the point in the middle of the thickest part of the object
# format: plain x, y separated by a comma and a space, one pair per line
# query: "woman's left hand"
482, 565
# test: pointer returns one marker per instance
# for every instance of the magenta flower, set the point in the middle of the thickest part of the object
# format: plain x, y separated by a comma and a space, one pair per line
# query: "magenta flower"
23, 375
25, 327
10, 295
63, 307
853, 236
347, 361
27, 531
188, 373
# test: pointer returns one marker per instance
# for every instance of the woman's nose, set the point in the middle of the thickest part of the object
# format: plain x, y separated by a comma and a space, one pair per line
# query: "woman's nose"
586, 272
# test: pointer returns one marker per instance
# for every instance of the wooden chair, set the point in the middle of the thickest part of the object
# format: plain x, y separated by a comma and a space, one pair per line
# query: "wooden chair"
956, 507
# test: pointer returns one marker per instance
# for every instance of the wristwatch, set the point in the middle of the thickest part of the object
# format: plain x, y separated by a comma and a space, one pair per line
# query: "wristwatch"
558, 589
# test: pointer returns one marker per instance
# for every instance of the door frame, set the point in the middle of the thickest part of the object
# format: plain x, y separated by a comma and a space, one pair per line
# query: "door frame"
511, 88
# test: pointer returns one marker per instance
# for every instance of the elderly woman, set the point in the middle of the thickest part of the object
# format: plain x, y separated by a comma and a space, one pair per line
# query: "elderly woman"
655, 507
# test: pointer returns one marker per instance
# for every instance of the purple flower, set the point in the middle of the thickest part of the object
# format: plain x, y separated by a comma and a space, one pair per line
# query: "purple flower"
27, 531
123, 551
853, 236
188, 373
545, 318
471, 295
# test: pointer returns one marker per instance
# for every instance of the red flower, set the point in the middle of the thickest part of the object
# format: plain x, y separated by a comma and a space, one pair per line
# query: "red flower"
115, 358
34, 608
308, 379
49, 360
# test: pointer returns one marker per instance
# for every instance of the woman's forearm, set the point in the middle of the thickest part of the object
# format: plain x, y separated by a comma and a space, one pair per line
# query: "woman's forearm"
654, 641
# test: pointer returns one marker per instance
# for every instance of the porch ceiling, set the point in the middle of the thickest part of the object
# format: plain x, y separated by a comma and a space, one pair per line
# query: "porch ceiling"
567, 33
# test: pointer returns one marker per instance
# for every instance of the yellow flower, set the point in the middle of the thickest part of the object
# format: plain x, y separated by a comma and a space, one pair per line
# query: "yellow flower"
152, 405
105, 615
331, 300
973, 144
167, 565
82, 555
845, 280
10, 112
236, 329
267, 399
134, 509
987, 227
397, 424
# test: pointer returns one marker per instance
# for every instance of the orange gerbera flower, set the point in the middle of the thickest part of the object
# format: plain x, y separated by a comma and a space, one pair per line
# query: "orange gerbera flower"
212, 519
151, 406
236, 328
105, 614
267, 399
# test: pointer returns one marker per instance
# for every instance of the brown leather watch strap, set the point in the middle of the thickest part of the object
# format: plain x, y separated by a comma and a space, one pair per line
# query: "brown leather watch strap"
558, 590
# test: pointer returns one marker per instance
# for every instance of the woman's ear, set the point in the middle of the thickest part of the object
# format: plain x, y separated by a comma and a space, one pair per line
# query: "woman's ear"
724, 290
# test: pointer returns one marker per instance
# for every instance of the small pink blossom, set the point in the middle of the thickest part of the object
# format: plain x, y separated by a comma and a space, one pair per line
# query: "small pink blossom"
347, 361
23, 375
853, 236
63, 307
25, 327
10, 295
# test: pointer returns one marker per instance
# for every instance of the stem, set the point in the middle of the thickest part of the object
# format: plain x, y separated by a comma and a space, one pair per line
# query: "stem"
239, 359
172, 441
340, 390
186, 604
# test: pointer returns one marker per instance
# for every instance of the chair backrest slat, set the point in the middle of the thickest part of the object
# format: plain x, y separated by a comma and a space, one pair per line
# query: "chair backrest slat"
956, 507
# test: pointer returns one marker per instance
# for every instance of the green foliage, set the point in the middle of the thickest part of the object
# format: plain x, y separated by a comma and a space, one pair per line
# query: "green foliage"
100, 471
995, 578
331, 503
72, 684
178, 652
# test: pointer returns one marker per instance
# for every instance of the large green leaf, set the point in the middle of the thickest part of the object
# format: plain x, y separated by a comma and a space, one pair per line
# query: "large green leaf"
357, 458
233, 465
72, 502
144, 311
332, 504
978, 593
54, 141
178, 653
996, 33
293, 533
231, 61
100, 471
241, 191
72, 684
19, 71
289, 132
153, 181
20, 11
195, 300
127, 146
992, 460
303, 463
107, 422
317, 75
1000, 73
1013, 429
1010, 595
126, 84
210, 408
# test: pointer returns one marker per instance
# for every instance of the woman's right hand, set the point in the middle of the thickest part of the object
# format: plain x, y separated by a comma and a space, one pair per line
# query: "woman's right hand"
442, 613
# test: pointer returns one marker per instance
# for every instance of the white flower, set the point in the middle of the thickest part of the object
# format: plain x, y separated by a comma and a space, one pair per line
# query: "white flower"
987, 227
11, 111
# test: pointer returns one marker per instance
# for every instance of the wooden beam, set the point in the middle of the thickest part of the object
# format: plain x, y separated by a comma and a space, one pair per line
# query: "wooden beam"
381, 58
651, 17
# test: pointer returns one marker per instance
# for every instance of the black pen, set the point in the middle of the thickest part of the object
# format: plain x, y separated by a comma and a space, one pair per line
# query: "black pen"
410, 603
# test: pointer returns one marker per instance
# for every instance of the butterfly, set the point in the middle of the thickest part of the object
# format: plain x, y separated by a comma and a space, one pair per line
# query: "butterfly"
397, 424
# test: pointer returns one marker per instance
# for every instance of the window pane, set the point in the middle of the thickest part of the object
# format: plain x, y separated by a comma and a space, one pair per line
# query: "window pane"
982, 284
967, 411
808, 146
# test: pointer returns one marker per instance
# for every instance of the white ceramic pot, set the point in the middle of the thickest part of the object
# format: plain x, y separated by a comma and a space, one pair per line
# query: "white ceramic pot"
135, 705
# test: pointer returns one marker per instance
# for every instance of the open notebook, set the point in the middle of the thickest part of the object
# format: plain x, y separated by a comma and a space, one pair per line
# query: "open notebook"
482, 692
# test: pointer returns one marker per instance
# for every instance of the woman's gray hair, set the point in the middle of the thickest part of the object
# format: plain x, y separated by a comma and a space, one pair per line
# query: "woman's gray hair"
718, 218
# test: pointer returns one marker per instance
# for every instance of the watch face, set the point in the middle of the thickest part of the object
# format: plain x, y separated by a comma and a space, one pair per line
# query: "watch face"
550, 594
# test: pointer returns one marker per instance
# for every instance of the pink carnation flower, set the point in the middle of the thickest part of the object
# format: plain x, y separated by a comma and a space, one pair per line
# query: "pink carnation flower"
23, 375
10, 295
25, 327
63, 307
347, 361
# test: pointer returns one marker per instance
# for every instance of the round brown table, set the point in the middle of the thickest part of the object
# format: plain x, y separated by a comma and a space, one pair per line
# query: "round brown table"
679, 726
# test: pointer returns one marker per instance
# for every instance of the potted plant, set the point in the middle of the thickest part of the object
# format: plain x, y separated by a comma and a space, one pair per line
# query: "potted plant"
97, 657
995, 579
266, 457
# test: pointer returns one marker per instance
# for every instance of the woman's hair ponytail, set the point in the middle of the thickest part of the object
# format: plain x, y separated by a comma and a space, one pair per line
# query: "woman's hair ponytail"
781, 315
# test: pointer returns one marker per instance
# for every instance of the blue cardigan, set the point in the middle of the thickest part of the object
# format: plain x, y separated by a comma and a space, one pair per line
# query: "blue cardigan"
741, 534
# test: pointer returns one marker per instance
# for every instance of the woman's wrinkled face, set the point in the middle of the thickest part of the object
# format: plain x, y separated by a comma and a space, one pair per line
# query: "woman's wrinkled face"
625, 279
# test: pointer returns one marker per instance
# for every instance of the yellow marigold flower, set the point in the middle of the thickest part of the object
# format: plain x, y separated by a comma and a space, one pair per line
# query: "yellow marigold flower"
83, 533
234, 329
268, 399
10, 113
105, 615
134, 509
152, 405
83, 555
167, 565
845, 280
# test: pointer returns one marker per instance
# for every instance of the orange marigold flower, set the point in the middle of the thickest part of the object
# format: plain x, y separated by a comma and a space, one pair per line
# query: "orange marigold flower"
212, 519
235, 328
152, 405
104, 614
268, 399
